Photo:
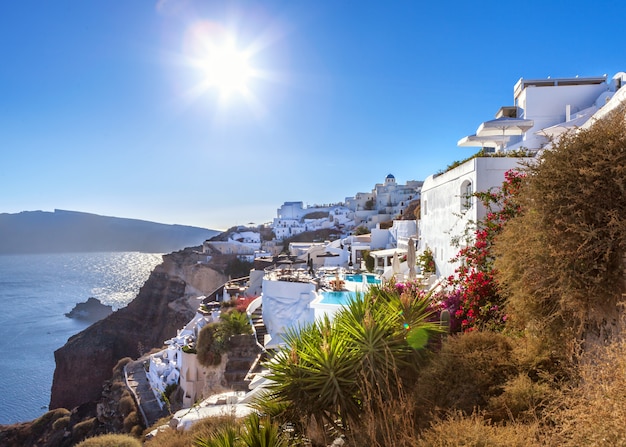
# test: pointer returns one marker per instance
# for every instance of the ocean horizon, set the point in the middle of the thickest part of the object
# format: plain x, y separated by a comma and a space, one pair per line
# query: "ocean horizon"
36, 290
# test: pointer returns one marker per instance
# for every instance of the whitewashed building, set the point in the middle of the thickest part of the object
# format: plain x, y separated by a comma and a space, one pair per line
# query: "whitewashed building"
543, 109
245, 244
293, 218
386, 201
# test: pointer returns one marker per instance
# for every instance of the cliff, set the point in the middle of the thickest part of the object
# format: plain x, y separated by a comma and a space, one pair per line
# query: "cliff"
164, 304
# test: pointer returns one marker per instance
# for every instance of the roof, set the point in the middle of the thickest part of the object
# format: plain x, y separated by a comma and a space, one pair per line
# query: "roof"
553, 82
387, 252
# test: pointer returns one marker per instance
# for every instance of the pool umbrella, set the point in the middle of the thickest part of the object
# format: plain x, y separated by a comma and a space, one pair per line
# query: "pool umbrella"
504, 126
411, 258
395, 264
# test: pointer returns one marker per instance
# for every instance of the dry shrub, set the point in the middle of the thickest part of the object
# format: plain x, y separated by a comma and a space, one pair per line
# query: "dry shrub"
469, 371
385, 421
593, 413
127, 404
110, 441
43, 422
121, 363
474, 430
130, 421
61, 423
201, 429
561, 262
522, 400
84, 428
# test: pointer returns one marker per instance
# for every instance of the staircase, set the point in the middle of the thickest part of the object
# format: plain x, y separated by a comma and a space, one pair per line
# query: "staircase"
259, 327
243, 353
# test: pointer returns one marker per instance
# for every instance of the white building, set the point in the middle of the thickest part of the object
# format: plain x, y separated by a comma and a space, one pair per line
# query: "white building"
293, 218
447, 207
543, 108
245, 244
387, 201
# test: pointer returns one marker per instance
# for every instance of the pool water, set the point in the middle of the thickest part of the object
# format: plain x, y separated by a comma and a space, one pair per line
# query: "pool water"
371, 279
339, 298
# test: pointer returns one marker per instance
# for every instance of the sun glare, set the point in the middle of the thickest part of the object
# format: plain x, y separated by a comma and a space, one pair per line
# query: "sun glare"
226, 68
222, 66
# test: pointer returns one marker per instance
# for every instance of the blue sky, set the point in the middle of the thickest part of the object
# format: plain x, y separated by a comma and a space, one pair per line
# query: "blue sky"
101, 108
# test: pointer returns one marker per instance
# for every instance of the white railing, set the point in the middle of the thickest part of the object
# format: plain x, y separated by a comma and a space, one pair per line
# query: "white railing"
253, 306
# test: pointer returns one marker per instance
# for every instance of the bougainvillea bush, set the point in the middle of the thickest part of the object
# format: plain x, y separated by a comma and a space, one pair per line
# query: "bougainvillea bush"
474, 301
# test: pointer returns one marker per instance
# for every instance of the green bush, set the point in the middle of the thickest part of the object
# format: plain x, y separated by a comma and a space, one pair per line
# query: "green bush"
426, 261
369, 261
213, 338
235, 323
361, 230
110, 440
211, 345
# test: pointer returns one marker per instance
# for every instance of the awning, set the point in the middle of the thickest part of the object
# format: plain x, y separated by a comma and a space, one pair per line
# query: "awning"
558, 129
387, 252
476, 141
504, 127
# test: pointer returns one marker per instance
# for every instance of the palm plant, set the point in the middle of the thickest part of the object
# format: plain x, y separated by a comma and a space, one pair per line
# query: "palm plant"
253, 432
326, 366
316, 373
261, 432
225, 436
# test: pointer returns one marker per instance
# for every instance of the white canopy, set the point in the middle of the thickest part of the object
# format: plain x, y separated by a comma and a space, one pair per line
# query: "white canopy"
490, 141
504, 126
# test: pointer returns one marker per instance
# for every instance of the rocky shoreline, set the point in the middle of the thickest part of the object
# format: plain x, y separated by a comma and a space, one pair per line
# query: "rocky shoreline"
85, 364
161, 308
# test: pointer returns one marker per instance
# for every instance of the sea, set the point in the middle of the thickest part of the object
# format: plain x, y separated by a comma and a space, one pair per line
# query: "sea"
36, 290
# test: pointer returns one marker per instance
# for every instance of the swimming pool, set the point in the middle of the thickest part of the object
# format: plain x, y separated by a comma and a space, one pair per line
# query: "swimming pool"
371, 279
339, 298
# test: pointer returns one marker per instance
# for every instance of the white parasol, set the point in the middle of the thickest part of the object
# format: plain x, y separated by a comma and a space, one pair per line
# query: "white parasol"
411, 258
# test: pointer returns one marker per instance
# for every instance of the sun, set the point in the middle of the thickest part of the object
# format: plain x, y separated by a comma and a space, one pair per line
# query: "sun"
221, 65
226, 68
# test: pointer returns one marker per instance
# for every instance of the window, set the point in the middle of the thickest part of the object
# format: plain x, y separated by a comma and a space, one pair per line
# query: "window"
466, 195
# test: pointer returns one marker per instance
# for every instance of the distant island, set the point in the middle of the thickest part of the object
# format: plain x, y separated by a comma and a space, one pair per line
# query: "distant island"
71, 231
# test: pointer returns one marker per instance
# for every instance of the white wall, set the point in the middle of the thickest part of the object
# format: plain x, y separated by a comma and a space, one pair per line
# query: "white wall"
286, 305
442, 218
546, 106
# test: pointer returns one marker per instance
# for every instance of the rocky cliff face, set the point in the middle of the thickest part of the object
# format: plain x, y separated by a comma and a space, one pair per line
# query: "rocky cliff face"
161, 307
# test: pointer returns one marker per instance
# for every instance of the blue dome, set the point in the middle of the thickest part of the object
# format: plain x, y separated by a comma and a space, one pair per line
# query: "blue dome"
390, 176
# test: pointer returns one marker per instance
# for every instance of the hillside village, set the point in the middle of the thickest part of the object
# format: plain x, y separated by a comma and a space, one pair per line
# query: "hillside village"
308, 273
290, 282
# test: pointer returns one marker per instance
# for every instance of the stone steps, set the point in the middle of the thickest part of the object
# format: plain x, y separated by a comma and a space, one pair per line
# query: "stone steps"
241, 356
137, 382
